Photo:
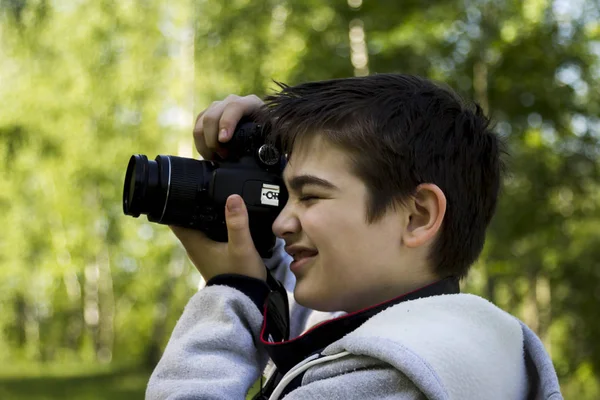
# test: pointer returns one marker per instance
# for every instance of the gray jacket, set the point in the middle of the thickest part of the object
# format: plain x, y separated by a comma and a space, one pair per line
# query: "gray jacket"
442, 347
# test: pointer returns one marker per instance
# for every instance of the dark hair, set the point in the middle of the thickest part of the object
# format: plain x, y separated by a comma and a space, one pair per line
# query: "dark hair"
401, 131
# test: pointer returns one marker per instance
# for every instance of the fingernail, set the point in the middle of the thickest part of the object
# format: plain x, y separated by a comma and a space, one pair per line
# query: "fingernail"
223, 134
234, 204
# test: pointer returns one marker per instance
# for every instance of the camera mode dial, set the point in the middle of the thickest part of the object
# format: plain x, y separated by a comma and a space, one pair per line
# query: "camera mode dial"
268, 155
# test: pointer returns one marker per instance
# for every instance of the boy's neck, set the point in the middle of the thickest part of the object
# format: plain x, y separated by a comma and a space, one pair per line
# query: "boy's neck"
394, 290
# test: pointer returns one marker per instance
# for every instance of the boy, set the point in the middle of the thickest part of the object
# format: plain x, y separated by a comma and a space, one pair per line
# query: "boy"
392, 183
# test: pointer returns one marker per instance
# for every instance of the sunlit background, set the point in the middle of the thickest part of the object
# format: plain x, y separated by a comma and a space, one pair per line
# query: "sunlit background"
88, 297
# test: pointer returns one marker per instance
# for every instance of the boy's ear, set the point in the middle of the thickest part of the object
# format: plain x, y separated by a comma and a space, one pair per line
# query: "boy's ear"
426, 210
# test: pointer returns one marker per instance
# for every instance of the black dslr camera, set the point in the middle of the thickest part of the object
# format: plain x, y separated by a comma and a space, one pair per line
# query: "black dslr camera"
191, 193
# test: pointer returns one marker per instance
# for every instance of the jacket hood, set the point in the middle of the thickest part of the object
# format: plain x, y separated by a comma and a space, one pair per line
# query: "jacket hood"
457, 346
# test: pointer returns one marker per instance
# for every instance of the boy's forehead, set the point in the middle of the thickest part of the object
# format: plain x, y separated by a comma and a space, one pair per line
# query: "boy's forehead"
309, 143
315, 156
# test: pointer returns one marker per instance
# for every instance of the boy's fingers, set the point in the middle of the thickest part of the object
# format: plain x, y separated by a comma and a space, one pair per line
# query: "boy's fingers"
217, 123
199, 140
201, 146
232, 114
210, 124
236, 107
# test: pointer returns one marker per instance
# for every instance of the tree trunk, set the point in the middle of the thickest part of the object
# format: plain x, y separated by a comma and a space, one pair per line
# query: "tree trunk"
106, 308
91, 304
161, 308
20, 320
32, 333
359, 55
531, 311
154, 351
480, 84
544, 305
74, 317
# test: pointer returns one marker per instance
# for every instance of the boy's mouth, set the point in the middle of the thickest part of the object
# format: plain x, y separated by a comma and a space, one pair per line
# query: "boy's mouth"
300, 252
304, 254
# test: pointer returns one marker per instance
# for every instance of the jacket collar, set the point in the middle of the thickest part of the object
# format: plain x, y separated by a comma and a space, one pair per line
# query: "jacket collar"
287, 353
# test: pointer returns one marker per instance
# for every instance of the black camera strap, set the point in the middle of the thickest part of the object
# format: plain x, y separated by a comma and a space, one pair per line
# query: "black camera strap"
276, 329
277, 318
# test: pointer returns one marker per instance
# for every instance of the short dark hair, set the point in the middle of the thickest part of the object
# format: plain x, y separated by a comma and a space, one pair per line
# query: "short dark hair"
401, 131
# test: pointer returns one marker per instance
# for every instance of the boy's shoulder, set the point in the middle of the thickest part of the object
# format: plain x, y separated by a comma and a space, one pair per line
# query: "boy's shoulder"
457, 345
452, 329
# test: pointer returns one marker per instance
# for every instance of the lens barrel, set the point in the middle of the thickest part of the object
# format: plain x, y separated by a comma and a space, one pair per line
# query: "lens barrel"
188, 181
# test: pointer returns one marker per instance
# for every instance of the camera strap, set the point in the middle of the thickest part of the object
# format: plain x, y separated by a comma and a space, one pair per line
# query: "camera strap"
277, 313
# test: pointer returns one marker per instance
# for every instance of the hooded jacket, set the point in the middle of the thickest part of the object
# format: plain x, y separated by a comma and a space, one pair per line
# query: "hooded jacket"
424, 345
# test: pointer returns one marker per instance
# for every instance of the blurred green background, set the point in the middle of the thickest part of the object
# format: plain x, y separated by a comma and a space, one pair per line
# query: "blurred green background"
88, 297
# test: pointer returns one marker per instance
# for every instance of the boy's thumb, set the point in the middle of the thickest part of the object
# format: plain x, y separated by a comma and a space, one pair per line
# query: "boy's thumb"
238, 229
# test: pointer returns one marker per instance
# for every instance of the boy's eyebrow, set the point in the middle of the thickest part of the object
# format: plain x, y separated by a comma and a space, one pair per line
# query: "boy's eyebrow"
299, 181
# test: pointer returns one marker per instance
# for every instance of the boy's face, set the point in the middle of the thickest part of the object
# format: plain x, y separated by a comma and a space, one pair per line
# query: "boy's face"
341, 262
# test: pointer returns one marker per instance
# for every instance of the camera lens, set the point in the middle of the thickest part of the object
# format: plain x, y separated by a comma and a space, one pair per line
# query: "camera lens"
167, 189
134, 184
144, 190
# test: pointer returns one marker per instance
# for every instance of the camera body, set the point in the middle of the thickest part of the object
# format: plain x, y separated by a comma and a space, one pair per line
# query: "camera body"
191, 193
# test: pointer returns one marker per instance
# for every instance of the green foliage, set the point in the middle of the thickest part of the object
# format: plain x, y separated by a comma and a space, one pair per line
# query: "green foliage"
83, 85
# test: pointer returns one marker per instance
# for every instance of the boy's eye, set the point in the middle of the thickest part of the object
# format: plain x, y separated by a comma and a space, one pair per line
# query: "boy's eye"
308, 197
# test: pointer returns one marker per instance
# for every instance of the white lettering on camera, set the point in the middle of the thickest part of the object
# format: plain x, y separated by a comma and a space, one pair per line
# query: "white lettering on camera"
269, 195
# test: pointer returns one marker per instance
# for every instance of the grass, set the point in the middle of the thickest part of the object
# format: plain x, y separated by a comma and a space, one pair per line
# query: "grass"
86, 384
40, 382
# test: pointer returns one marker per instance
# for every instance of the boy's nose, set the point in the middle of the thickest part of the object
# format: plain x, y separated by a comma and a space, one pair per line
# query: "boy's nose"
286, 224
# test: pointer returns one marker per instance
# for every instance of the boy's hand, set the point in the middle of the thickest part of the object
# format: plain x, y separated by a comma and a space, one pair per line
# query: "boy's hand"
237, 256
216, 124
